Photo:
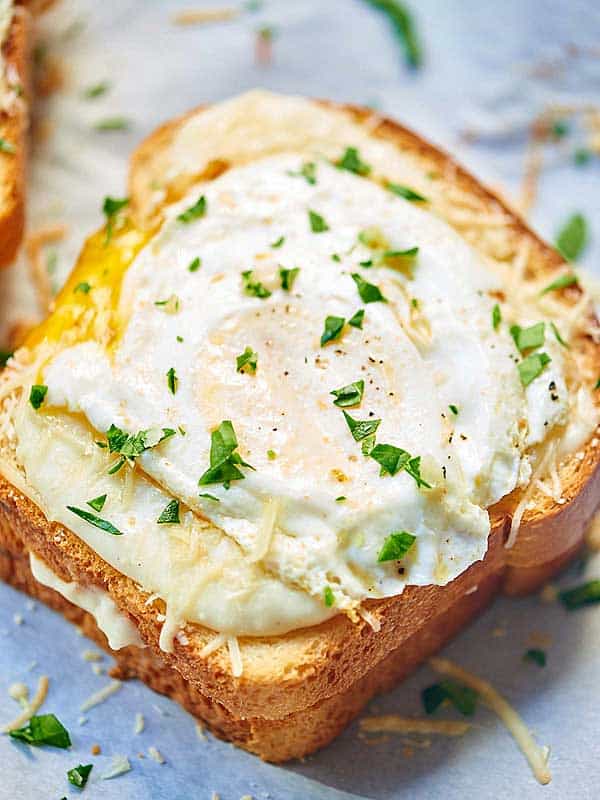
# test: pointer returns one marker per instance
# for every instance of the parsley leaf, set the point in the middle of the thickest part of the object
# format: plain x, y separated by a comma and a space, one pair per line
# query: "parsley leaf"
288, 276
82, 288
317, 223
369, 293
78, 776
572, 237
362, 430
37, 395
224, 461
463, 698
96, 90
193, 212
528, 338
112, 124
249, 358
170, 514
568, 279
496, 317
401, 260
350, 395
332, 330
536, 656
7, 147
209, 496
402, 22
130, 446
352, 162
254, 288
43, 729
558, 337
406, 193
396, 546
195, 265
357, 319
579, 596
97, 522
393, 459
97, 503
328, 597
453, 409
4, 358
172, 380
170, 306
278, 242
532, 366
308, 171
110, 209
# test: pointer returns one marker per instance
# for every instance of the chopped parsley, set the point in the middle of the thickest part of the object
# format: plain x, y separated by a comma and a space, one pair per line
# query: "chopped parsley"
496, 317
369, 293
37, 395
328, 597
172, 380
97, 503
43, 729
317, 223
363, 430
288, 276
560, 128
462, 697
393, 459
131, 446
453, 409
406, 193
179, 339
597, 384
340, 499
308, 171
401, 260
572, 237
335, 257
357, 319
582, 156
7, 147
170, 514
4, 358
332, 330
79, 775
278, 242
536, 656
195, 265
209, 496
254, 288
249, 358
352, 162
558, 337
193, 212
82, 288
584, 595
97, 522
373, 238
350, 395
96, 90
271, 455
170, 306
528, 338
112, 124
532, 366
402, 22
568, 279
111, 208
396, 546
224, 461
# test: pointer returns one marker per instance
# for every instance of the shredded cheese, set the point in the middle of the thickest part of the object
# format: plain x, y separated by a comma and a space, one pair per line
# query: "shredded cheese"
369, 618
156, 755
32, 707
392, 723
266, 529
235, 655
215, 644
118, 766
204, 15
140, 723
100, 696
536, 756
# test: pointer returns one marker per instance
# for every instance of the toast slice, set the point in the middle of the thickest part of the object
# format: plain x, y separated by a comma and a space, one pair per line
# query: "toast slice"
14, 124
292, 683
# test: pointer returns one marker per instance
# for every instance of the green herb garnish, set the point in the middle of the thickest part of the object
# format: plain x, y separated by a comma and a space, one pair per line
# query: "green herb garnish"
584, 595
288, 276
4, 358
396, 546
278, 242
560, 128
97, 522
528, 338
110, 209
82, 288
317, 223
37, 395
340, 499
193, 212
97, 503
96, 90
254, 288
582, 156
463, 698
453, 409
393, 459
7, 147
406, 193
224, 461
249, 358
209, 496
195, 265
536, 656
328, 597
568, 279
308, 171
532, 366
558, 337
271, 455
170, 514
496, 317
112, 124
350, 395
332, 330
172, 380
357, 319
79, 775
43, 729
131, 446
170, 306
402, 22
363, 430
572, 237
369, 293
352, 162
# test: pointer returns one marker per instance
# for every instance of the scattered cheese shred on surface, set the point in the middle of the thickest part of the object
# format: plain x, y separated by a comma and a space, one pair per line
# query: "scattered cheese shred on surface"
202, 16
20, 693
200, 731
140, 723
536, 756
392, 723
237, 666
118, 766
370, 619
266, 529
215, 644
32, 707
91, 655
100, 696
156, 755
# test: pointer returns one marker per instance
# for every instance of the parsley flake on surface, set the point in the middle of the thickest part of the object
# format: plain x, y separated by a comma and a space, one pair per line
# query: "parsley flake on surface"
288, 276
328, 597
340, 499
271, 455
453, 409
96, 90
209, 496
172, 380
308, 171
224, 461
568, 279
352, 162
111, 208
350, 395
43, 729
254, 288
79, 775
528, 338
317, 222
170, 306
558, 337
369, 293
332, 330
170, 514
357, 319
112, 124
97, 503
131, 446
536, 656
249, 359
82, 288
532, 366
584, 595
363, 430
193, 212
404, 28
406, 192
195, 265
572, 237
463, 698
97, 522
4, 358
396, 546
7, 147
278, 242
496, 317
394, 459
37, 395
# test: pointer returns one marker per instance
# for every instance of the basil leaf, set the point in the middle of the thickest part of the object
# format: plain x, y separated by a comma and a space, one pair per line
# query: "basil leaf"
97, 522
170, 514
572, 237
532, 366
193, 212
396, 546
463, 698
37, 395
79, 775
350, 395
369, 293
352, 162
332, 330
317, 223
43, 729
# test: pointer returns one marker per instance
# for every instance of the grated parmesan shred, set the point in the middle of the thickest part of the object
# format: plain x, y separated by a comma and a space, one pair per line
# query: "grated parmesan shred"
100, 696
237, 667
392, 723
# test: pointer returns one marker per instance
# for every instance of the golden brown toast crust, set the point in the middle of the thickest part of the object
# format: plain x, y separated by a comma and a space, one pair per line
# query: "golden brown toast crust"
285, 675
13, 129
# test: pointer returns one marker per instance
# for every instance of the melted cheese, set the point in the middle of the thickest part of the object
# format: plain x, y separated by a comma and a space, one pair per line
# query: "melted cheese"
257, 560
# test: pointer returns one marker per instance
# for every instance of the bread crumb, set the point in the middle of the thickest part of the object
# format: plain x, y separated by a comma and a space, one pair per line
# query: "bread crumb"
498, 633
95, 751
91, 655
549, 593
